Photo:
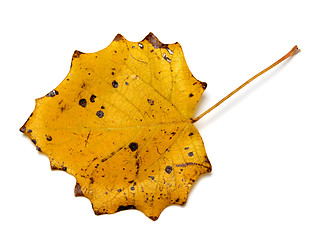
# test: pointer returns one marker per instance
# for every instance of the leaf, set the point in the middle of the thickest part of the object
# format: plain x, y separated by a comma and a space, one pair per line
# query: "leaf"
121, 124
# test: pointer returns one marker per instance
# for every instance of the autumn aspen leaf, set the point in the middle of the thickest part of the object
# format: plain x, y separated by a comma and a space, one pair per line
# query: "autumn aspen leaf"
121, 123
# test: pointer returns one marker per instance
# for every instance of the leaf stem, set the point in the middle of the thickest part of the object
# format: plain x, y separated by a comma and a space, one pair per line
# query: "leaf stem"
292, 52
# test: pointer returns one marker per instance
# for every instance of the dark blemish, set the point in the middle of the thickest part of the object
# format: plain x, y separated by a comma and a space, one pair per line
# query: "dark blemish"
83, 85
115, 51
115, 84
82, 102
126, 83
77, 54
112, 73
137, 166
173, 133
52, 93
152, 50
91, 180
29, 131
124, 59
122, 208
141, 45
64, 168
92, 98
151, 177
119, 190
89, 73
191, 134
133, 46
133, 146
102, 107
131, 181
34, 141
159, 72
177, 200
191, 95
38, 148
63, 108
168, 169
68, 79
78, 191
186, 148
49, 138
190, 154
132, 188
150, 101
100, 114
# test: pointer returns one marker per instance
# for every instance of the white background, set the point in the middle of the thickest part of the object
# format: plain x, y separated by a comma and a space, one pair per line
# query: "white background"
262, 143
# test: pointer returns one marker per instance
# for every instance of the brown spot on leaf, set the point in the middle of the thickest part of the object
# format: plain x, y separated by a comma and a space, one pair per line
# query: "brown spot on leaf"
150, 101
100, 114
133, 146
168, 169
92, 98
82, 102
115, 84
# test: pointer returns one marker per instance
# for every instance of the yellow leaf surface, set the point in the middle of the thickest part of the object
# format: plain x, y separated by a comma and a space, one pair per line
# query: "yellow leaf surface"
121, 124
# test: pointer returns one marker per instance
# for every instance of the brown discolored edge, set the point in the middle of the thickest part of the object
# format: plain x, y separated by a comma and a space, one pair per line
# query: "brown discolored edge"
152, 39
210, 166
118, 37
204, 85
127, 207
154, 218
77, 54
78, 191
23, 128
54, 168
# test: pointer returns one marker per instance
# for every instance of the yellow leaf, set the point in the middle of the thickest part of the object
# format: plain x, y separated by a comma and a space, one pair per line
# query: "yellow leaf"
121, 124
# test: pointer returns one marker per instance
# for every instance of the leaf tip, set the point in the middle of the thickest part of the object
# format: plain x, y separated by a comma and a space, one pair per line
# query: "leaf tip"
154, 218
77, 54
118, 37
152, 39
22, 129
